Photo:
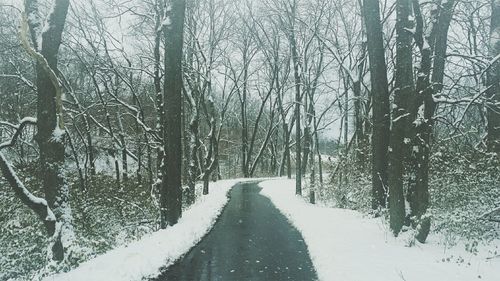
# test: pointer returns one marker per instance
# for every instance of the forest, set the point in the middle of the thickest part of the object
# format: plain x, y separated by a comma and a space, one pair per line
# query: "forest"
117, 117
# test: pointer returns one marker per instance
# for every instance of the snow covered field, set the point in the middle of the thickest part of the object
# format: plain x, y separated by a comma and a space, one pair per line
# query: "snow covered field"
145, 258
346, 246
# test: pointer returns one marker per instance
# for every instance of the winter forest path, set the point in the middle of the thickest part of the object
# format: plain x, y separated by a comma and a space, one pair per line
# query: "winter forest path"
252, 240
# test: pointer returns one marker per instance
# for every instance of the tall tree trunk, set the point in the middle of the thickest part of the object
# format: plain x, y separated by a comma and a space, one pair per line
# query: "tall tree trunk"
307, 143
160, 112
194, 144
297, 82
50, 125
358, 118
243, 104
433, 59
380, 96
318, 153
493, 110
90, 152
171, 189
149, 160
121, 135
403, 90
190, 130
422, 180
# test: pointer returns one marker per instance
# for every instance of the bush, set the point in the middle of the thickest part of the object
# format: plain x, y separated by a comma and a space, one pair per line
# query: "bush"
104, 217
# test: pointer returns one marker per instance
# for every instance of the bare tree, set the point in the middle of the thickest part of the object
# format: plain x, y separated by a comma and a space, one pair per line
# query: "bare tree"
50, 121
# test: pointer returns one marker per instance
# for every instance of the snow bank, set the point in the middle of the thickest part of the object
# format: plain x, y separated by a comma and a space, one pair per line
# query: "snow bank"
346, 246
145, 258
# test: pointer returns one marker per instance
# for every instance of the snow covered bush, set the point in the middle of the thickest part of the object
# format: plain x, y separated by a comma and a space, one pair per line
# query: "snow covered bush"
348, 186
464, 186
104, 218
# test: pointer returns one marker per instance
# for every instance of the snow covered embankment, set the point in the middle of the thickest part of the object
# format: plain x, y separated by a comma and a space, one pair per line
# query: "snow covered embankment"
346, 246
145, 258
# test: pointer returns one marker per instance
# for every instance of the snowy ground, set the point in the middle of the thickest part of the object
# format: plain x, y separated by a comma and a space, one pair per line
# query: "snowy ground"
145, 258
346, 246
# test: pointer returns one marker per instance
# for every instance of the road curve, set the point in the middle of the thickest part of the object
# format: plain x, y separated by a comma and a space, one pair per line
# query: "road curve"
251, 241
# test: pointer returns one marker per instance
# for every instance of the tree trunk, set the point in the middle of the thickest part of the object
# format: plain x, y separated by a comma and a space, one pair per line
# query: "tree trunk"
403, 90
50, 125
358, 118
89, 145
121, 135
493, 110
193, 153
160, 111
244, 121
206, 184
297, 82
171, 188
380, 96
433, 58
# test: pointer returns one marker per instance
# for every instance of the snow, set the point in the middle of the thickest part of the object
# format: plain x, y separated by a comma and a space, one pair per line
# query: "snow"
47, 24
165, 23
495, 59
346, 246
28, 119
426, 45
495, 38
411, 30
420, 116
58, 134
146, 257
26, 192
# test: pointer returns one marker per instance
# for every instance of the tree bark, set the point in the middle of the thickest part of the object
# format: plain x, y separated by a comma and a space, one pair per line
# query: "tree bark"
380, 96
403, 90
429, 82
171, 188
297, 81
50, 125
493, 93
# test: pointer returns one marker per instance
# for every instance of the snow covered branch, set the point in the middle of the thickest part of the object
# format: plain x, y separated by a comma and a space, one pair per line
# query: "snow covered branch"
19, 128
38, 205
21, 78
493, 215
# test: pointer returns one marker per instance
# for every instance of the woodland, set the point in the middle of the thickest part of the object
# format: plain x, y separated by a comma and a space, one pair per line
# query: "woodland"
116, 115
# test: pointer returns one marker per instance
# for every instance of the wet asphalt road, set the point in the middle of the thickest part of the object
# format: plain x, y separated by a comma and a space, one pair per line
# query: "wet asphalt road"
252, 241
